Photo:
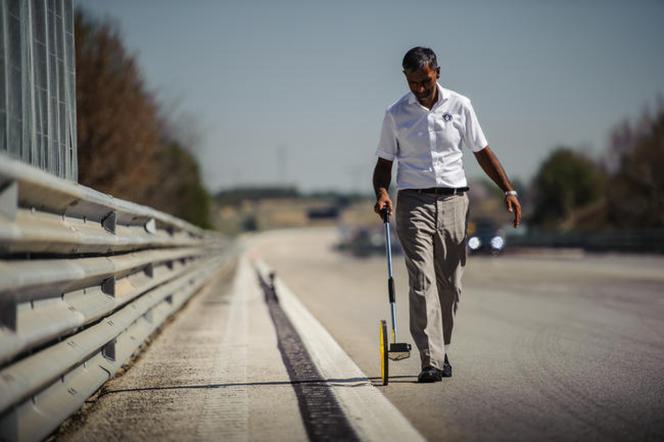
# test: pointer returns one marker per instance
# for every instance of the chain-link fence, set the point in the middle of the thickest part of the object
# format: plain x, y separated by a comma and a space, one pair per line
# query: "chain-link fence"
37, 84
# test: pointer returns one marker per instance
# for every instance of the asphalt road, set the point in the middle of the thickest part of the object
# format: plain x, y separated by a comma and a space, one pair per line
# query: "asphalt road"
546, 347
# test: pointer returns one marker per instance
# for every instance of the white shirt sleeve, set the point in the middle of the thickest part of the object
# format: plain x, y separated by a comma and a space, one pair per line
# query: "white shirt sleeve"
387, 146
473, 136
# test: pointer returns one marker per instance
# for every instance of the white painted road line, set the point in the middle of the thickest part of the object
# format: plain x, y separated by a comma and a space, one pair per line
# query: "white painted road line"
371, 414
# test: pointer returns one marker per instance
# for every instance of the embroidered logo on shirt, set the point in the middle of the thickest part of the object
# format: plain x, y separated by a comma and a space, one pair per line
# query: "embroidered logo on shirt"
447, 116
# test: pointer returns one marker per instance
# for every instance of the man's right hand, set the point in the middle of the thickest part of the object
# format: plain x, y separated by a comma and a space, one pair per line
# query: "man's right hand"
383, 201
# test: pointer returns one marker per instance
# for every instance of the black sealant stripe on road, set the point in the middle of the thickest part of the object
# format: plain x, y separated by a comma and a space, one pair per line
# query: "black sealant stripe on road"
323, 418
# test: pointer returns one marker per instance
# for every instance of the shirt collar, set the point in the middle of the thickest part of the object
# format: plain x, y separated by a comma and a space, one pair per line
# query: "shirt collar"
442, 96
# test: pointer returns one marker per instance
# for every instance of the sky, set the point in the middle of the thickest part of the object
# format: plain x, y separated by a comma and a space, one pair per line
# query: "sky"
294, 92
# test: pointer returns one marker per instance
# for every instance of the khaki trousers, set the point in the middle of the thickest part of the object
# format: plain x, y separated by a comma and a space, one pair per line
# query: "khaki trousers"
432, 232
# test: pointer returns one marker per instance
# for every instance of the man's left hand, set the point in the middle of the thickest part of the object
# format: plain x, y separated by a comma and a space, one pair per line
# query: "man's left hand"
512, 205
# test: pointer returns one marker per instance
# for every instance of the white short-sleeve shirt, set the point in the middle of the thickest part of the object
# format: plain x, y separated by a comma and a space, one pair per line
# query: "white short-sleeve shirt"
426, 144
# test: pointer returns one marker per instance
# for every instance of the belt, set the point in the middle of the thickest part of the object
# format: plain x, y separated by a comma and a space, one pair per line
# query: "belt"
441, 190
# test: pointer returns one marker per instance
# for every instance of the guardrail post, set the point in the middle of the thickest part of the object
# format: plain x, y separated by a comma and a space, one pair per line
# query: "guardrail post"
109, 221
9, 426
108, 351
8, 312
108, 286
9, 199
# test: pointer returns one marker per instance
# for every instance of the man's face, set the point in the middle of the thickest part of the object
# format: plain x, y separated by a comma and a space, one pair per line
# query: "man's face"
422, 84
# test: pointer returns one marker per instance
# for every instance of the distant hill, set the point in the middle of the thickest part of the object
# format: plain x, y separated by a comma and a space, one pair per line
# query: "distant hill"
238, 195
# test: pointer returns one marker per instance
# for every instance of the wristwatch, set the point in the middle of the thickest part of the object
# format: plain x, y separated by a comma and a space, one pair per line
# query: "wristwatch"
511, 192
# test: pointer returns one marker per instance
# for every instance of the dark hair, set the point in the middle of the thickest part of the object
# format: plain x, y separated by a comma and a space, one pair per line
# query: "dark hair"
419, 57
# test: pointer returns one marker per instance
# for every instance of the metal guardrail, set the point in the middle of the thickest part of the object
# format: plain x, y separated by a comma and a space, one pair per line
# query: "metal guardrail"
644, 241
85, 278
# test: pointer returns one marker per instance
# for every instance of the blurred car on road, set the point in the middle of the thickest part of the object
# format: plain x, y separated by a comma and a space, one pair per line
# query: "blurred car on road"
484, 236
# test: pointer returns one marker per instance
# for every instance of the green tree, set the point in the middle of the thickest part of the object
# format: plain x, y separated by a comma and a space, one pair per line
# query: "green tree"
565, 182
125, 147
118, 129
636, 196
180, 191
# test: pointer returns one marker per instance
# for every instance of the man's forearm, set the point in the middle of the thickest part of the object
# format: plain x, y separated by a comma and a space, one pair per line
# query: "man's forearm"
492, 167
382, 177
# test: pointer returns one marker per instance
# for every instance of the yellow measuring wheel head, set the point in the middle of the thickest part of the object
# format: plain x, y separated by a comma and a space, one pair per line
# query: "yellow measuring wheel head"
384, 361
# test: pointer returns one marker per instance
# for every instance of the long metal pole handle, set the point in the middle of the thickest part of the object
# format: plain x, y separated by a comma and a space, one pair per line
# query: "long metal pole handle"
390, 280
388, 250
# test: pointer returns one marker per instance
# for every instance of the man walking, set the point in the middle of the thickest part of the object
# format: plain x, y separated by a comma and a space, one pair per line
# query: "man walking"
423, 132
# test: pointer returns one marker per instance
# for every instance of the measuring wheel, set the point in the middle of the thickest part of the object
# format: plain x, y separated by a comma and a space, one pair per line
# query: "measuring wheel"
384, 361
396, 350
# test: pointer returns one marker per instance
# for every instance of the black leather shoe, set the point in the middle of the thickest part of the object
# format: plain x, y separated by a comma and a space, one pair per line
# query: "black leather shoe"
430, 374
446, 372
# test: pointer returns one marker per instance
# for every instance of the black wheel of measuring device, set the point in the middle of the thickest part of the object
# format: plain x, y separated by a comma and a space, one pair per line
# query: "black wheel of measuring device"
384, 361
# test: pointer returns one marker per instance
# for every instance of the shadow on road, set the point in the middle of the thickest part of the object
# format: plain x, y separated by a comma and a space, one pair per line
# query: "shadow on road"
350, 382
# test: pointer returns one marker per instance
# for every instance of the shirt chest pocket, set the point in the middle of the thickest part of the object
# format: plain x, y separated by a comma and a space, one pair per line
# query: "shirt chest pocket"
448, 134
